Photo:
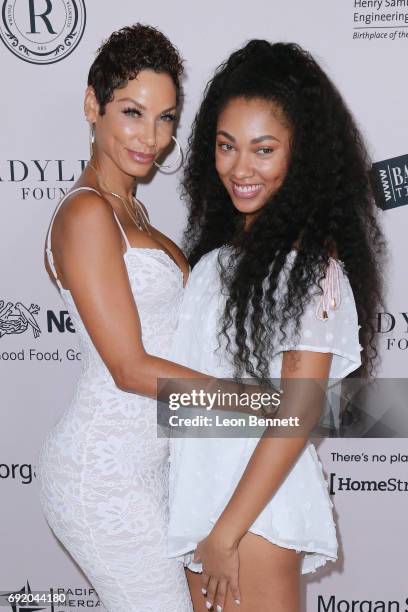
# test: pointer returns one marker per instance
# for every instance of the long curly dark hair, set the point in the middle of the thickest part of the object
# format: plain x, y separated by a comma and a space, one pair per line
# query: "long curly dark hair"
325, 205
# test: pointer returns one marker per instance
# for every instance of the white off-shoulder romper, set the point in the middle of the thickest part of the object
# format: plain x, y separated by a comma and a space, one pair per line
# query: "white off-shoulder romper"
205, 471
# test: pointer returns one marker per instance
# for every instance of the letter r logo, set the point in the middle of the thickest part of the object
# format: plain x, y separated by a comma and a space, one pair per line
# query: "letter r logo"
42, 31
43, 16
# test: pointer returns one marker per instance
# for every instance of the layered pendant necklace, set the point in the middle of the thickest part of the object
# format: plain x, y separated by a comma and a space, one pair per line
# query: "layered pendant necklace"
134, 208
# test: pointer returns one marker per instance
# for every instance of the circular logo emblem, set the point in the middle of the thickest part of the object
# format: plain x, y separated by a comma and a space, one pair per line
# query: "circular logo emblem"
42, 31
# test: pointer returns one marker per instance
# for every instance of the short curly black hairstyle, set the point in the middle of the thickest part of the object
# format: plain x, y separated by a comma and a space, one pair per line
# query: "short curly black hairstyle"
325, 204
128, 51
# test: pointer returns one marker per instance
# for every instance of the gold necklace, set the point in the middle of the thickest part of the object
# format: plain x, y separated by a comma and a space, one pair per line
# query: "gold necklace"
136, 213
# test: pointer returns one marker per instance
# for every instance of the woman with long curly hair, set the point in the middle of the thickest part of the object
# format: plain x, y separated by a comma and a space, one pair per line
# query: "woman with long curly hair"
286, 251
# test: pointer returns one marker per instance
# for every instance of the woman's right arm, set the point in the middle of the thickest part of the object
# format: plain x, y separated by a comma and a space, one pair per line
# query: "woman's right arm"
90, 256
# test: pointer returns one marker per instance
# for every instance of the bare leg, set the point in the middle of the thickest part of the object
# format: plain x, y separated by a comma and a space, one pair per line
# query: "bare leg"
269, 579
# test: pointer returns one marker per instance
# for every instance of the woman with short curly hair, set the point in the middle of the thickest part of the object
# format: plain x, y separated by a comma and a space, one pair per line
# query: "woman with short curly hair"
286, 250
102, 471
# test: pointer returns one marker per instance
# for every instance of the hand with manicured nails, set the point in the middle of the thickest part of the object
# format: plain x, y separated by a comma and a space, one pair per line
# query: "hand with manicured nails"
220, 561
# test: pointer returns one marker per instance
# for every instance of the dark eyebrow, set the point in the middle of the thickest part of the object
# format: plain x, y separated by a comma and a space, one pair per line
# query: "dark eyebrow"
253, 141
143, 107
133, 102
266, 137
222, 133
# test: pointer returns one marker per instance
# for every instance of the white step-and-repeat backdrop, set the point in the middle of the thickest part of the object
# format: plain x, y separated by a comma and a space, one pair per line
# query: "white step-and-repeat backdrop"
48, 48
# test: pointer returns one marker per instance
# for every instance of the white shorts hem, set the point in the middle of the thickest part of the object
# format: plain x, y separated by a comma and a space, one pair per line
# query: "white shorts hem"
313, 559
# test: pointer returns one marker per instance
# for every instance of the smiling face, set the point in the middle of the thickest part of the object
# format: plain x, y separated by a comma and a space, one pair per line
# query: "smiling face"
252, 153
138, 123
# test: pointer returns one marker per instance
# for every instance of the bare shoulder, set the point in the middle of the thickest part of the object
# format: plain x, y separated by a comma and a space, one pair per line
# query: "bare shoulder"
84, 229
84, 215
85, 226
83, 206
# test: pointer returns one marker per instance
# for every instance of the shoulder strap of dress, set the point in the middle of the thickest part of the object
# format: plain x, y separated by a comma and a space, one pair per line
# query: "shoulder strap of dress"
48, 249
122, 232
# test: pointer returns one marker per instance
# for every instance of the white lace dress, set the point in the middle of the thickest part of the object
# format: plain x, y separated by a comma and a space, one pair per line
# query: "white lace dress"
205, 471
103, 473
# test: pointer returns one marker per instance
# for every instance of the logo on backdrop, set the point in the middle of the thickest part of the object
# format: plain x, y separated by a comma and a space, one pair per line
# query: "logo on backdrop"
346, 483
40, 179
331, 603
42, 31
21, 472
375, 20
394, 326
390, 179
17, 318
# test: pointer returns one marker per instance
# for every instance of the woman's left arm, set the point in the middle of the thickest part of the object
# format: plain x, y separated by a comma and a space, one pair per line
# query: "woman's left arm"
270, 462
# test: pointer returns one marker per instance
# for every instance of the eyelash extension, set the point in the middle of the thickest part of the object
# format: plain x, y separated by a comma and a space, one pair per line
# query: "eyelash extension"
223, 147
169, 116
132, 111
136, 112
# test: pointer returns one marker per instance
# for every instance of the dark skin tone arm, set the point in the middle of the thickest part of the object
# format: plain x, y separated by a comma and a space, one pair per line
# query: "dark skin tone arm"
270, 462
88, 254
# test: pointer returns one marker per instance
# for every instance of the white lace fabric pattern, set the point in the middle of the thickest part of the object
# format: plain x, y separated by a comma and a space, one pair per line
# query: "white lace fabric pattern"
103, 472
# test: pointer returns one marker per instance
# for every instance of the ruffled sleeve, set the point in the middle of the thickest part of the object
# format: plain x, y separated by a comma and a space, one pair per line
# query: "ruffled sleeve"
329, 324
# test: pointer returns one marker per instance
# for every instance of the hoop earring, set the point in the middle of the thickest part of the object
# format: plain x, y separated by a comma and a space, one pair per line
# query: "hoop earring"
176, 165
91, 139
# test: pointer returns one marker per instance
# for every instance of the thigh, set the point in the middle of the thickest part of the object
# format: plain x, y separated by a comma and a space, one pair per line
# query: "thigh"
269, 579
194, 584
